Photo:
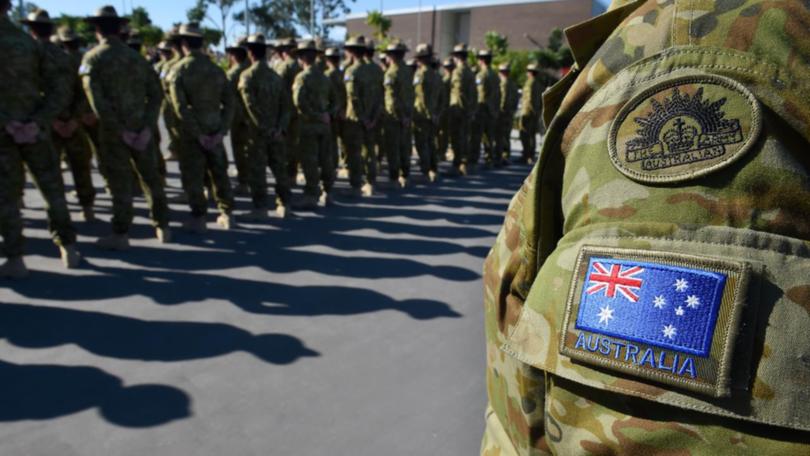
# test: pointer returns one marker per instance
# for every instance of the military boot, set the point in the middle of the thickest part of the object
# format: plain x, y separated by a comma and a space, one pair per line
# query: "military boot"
368, 190
433, 176
325, 200
308, 202
403, 182
88, 214
195, 225
14, 268
163, 234
70, 256
300, 179
118, 242
282, 211
225, 221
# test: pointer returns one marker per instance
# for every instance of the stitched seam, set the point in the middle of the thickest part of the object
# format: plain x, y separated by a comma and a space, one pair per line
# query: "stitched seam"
671, 239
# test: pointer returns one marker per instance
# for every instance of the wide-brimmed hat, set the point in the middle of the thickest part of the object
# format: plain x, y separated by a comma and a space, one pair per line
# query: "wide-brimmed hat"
370, 45
332, 52
424, 50
448, 63
257, 39
286, 43
164, 46
135, 38
190, 30
39, 16
396, 48
306, 46
504, 67
533, 67
460, 48
106, 13
66, 34
238, 46
356, 42
484, 54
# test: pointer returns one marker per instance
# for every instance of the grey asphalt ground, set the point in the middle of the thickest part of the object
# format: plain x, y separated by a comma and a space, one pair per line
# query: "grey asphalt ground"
354, 330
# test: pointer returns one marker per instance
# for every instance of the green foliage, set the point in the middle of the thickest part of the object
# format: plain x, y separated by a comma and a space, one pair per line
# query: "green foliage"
212, 36
140, 21
556, 39
497, 43
380, 24
282, 18
78, 25
200, 13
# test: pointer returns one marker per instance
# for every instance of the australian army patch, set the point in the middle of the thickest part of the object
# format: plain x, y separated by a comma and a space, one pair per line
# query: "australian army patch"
684, 128
664, 317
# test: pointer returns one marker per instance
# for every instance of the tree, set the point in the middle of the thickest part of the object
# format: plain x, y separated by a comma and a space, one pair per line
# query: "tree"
21, 13
140, 21
496, 43
200, 13
85, 31
380, 24
283, 18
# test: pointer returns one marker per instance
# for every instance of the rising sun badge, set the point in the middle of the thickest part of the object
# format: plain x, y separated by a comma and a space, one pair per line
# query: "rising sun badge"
684, 128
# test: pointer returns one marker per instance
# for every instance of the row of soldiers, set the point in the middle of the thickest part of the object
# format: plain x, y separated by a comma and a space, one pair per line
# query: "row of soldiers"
285, 118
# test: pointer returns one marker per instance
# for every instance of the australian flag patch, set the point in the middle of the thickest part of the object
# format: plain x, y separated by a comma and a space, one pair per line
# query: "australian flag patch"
666, 317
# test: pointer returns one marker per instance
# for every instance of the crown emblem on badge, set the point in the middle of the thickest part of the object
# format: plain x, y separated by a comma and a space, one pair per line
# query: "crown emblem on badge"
682, 129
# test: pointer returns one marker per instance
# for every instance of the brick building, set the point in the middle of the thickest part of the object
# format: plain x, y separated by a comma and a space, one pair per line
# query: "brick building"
522, 21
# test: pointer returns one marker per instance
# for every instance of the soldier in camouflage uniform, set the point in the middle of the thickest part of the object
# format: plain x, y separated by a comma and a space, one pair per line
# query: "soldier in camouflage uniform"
463, 103
31, 97
237, 63
125, 96
332, 58
378, 101
69, 135
649, 291
443, 137
531, 108
427, 109
510, 97
166, 110
398, 115
267, 110
314, 101
359, 127
287, 67
485, 123
203, 101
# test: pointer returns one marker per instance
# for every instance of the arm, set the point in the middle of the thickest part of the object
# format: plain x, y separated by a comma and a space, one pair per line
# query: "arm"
93, 88
56, 95
228, 105
285, 108
180, 103
154, 98
250, 98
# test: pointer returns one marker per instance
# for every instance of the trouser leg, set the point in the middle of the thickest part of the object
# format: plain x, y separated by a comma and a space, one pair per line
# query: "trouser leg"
12, 179
353, 139
192, 175
45, 167
392, 135
217, 172
79, 153
147, 165
326, 161
255, 169
277, 161
239, 140
308, 157
114, 163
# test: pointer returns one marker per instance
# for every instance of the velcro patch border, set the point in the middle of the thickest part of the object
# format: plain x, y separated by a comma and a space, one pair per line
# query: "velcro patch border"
712, 373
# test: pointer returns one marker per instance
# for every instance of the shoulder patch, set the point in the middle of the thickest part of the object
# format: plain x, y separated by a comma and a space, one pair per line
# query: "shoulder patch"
388, 81
348, 77
684, 128
84, 69
665, 317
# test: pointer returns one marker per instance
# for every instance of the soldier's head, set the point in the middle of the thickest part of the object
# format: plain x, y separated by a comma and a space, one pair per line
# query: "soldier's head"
238, 53
484, 57
449, 65
256, 46
68, 39
306, 52
424, 55
286, 47
106, 22
459, 54
191, 37
370, 49
504, 70
356, 47
532, 70
40, 24
333, 57
395, 52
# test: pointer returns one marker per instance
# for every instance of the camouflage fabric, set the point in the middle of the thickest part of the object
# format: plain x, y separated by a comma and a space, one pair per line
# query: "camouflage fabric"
239, 126
288, 68
312, 95
358, 138
752, 210
398, 112
484, 127
428, 88
506, 115
443, 136
125, 96
204, 102
33, 91
463, 104
335, 75
267, 108
378, 106
166, 109
531, 108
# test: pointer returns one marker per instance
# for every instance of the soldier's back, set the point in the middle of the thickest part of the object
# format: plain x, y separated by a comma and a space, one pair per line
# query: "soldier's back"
23, 62
204, 85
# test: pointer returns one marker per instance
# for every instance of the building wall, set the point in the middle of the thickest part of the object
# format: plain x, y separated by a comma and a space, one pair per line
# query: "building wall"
536, 20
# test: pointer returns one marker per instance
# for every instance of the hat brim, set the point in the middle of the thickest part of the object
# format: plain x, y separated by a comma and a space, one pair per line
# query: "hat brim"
189, 35
94, 19
27, 22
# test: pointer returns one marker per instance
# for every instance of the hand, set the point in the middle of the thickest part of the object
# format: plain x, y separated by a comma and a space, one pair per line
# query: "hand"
144, 137
368, 124
65, 129
89, 119
406, 122
325, 118
210, 142
23, 133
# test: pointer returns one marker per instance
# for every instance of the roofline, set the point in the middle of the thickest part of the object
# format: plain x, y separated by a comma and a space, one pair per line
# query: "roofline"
428, 9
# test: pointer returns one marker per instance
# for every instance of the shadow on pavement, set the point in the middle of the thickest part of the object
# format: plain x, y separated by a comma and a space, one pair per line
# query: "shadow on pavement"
44, 391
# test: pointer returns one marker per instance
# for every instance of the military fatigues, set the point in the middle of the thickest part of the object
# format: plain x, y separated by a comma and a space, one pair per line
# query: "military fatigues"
676, 163
125, 96
443, 134
378, 106
484, 127
312, 95
267, 107
166, 110
531, 108
239, 127
335, 76
463, 103
361, 157
506, 116
398, 109
32, 91
288, 69
203, 101
77, 147
427, 109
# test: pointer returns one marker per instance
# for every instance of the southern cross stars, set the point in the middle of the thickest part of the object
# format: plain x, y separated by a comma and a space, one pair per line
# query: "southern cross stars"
679, 311
605, 315
681, 284
659, 302
692, 302
670, 331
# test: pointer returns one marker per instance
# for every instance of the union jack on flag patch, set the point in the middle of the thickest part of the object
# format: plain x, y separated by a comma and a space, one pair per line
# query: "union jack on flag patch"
616, 279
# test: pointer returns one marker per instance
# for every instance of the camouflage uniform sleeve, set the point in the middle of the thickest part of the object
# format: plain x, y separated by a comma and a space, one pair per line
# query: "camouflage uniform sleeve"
251, 100
92, 81
154, 97
433, 95
56, 92
177, 92
301, 97
228, 104
285, 109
